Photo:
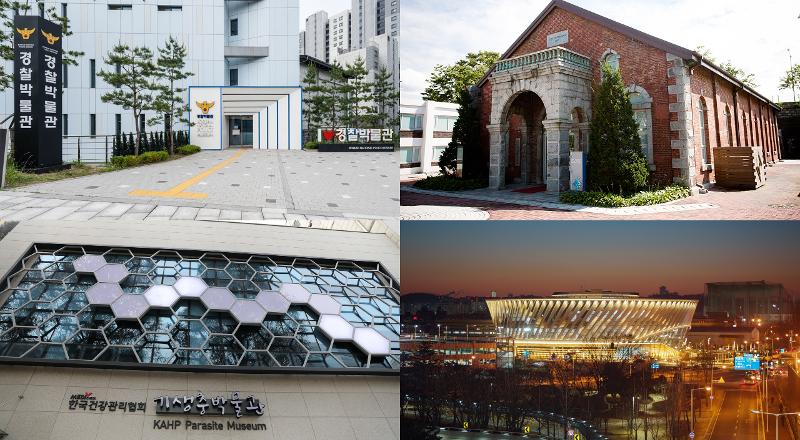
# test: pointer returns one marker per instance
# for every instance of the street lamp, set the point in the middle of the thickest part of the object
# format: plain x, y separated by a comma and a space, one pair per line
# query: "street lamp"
691, 397
439, 332
755, 411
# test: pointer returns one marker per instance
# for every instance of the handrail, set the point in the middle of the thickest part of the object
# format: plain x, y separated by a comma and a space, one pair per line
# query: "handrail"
557, 53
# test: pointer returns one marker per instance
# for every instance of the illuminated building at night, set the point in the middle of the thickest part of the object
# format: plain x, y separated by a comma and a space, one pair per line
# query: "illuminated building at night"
592, 323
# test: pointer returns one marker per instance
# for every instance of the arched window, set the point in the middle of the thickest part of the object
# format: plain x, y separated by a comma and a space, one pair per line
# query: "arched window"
703, 114
611, 58
728, 126
642, 103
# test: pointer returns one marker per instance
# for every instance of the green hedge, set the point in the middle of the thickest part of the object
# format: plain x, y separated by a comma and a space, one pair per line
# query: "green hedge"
311, 145
185, 150
144, 158
448, 183
642, 198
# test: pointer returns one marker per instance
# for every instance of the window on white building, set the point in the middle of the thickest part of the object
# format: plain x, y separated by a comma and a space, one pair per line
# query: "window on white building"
409, 154
410, 122
444, 123
437, 153
234, 27
119, 7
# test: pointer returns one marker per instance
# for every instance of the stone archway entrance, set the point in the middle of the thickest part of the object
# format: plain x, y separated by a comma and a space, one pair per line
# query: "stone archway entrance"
560, 81
525, 161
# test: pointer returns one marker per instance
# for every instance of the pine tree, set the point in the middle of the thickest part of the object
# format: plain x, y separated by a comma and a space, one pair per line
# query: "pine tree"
152, 142
7, 11
170, 68
466, 134
616, 163
133, 84
131, 144
355, 93
331, 89
386, 98
314, 101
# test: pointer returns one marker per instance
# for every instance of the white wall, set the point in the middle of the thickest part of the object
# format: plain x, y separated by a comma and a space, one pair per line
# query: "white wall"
429, 110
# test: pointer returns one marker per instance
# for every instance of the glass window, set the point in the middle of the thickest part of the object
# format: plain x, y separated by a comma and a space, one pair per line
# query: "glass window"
437, 153
64, 76
93, 124
118, 123
409, 154
410, 122
702, 113
169, 8
65, 123
234, 77
444, 123
92, 74
234, 27
120, 7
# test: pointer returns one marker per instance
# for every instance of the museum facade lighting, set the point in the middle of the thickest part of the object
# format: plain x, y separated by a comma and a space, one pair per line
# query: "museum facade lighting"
592, 323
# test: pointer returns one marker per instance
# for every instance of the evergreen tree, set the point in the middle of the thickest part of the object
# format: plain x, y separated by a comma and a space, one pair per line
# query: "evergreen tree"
7, 11
152, 142
616, 163
170, 68
466, 134
355, 93
386, 98
131, 144
314, 100
133, 84
331, 90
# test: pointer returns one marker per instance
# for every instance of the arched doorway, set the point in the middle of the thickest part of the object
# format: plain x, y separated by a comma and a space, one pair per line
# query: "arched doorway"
525, 154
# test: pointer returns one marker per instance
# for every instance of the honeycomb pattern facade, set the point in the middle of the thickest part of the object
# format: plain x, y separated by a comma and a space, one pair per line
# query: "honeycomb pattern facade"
194, 308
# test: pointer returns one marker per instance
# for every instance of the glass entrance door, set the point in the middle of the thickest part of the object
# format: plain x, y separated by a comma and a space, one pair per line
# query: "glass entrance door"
240, 131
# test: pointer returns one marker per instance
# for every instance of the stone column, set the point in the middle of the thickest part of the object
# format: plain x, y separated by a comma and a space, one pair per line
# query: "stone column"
498, 155
524, 155
557, 151
681, 128
583, 129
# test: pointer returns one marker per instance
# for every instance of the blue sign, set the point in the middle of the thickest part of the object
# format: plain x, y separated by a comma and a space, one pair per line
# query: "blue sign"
783, 350
655, 366
746, 362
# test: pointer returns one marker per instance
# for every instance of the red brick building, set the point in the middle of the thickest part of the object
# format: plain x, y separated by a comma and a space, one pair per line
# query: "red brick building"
536, 102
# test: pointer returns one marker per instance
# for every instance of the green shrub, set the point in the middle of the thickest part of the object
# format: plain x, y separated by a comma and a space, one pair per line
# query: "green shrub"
450, 183
187, 149
311, 145
153, 156
125, 161
144, 158
608, 200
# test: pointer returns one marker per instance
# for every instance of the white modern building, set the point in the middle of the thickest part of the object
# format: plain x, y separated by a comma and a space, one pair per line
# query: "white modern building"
229, 43
316, 36
339, 34
425, 130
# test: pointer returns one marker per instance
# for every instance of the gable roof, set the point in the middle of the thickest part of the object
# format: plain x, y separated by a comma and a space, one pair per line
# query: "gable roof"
636, 34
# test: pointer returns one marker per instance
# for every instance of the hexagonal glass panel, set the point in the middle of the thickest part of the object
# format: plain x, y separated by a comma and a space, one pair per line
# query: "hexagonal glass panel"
155, 348
295, 293
59, 328
118, 256
223, 350
161, 296
86, 344
140, 265
190, 333
89, 263
123, 332
324, 305
190, 357
273, 302
136, 284
6, 322
130, 306
258, 359
313, 338
318, 360
265, 281
254, 337
190, 287
371, 342
280, 325
103, 293
47, 351
216, 278
349, 354
118, 354
80, 282
58, 271
288, 352
16, 299
218, 298
158, 320
248, 312
18, 340
214, 261
47, 291
240, 271
243, 289
190, 268
111, 273
33, 313
220, 322
95, 317
303, 314
336, 327
187, 308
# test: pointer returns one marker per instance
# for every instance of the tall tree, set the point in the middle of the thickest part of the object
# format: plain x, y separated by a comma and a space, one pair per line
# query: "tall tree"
169, 101
315, 103
791, 80
386, 98
616, 163
447, 81
134, 86
8, 9
736, 72
354, 94
466, 134
332, 87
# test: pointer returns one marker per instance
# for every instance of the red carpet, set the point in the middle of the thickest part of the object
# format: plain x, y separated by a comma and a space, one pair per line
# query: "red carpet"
532, 189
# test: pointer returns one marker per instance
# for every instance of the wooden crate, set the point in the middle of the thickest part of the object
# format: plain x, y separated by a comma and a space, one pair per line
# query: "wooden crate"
740, 167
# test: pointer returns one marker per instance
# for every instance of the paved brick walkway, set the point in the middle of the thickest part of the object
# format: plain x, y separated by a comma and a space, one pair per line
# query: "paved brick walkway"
256, 181
779, 199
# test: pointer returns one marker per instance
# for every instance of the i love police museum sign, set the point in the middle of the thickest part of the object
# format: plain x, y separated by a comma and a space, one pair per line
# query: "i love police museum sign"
37, 93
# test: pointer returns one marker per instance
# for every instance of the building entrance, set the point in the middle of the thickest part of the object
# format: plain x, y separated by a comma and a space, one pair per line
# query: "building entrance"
240, 131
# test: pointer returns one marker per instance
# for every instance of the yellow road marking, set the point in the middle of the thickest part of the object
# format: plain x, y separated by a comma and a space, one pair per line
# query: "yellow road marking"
179, 191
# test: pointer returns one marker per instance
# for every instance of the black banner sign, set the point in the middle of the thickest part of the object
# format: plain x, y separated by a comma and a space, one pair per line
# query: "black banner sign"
37, 92
345, 148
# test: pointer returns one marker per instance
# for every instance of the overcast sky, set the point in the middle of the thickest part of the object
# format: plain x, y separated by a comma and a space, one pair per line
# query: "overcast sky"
308, 7
754, 35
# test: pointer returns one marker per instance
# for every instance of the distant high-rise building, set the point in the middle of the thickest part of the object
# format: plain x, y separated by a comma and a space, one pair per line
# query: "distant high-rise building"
750, 300
316, 36
339, 30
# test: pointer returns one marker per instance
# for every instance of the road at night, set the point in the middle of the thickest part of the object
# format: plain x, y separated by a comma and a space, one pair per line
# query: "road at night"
735, 420
459, 435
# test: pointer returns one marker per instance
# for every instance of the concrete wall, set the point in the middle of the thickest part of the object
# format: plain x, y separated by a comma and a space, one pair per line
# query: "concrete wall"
34, 404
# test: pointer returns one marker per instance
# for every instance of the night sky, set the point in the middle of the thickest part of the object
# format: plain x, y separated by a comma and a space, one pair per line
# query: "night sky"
474, 258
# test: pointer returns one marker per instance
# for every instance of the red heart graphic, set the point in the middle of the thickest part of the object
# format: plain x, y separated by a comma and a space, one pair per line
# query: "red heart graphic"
327, 134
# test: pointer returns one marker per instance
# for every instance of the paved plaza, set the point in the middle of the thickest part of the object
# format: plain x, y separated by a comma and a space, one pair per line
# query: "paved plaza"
233, 185
779, 199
